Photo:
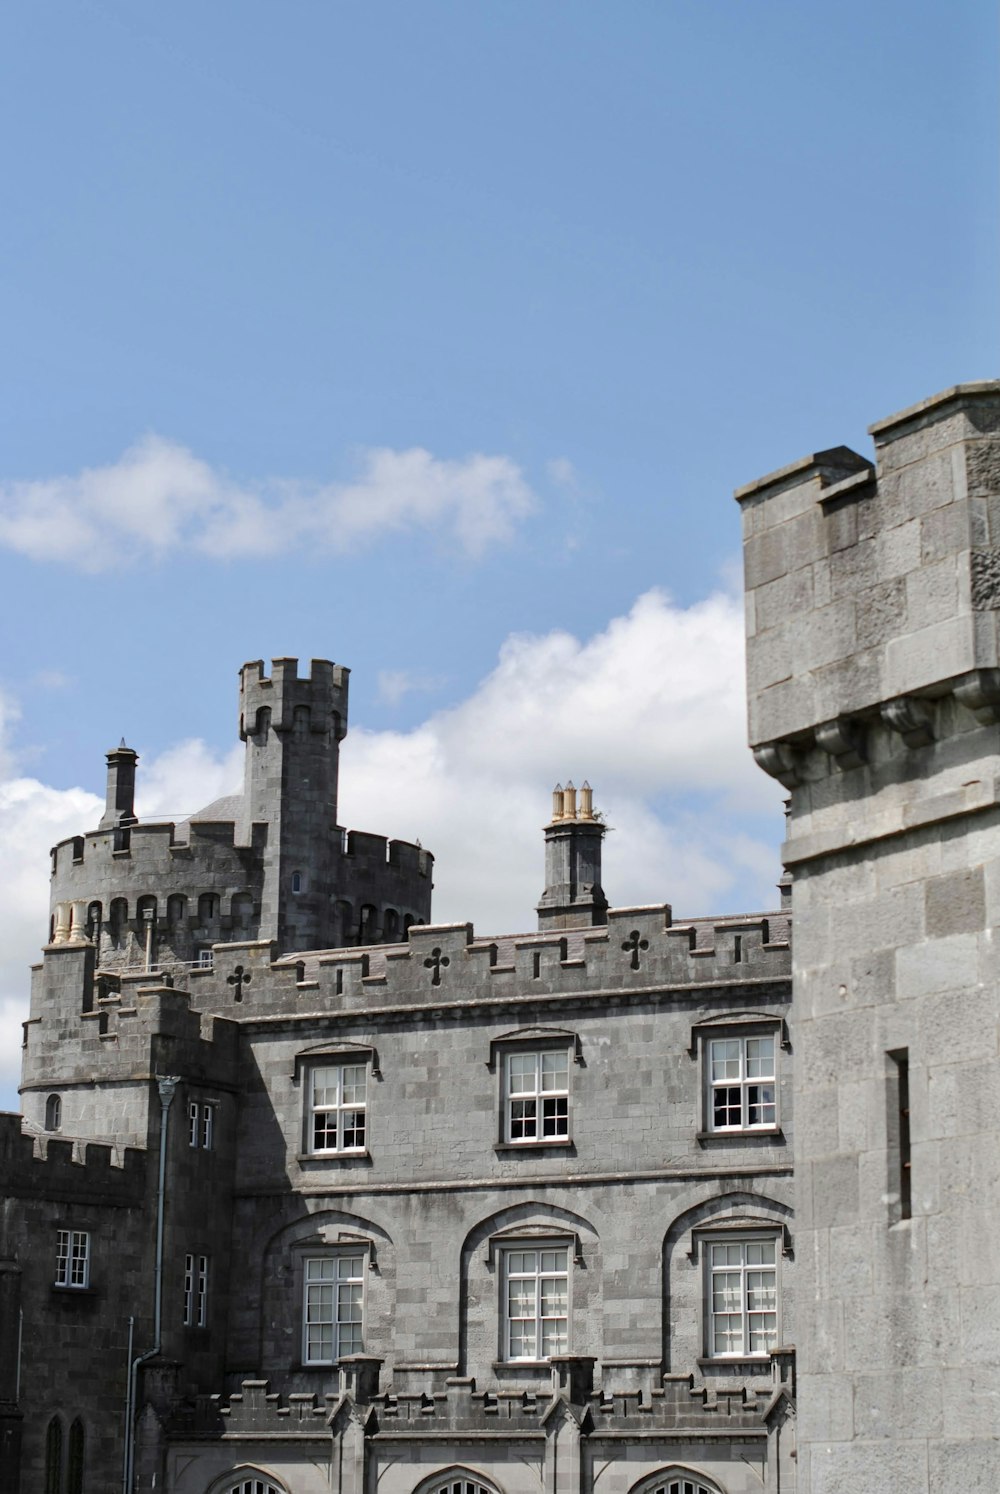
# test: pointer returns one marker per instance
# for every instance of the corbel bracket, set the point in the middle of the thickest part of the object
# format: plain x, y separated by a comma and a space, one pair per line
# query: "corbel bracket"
979, 692
781, 761
912, 718
843, 739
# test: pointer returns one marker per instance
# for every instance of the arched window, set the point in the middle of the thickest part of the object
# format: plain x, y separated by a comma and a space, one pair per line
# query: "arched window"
208, 905
457, 1481
145, 910
675, 1481
53, 1456
391, 926
118, 916
94, 915
74, 1462
253, 1486
53, 1113
300, 720
296, 881
176, 908
366, 928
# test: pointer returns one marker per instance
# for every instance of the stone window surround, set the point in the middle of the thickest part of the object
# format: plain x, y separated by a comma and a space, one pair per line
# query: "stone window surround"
73, 1260
510, 1245
197, 1275
201, 1123
743, 1025
538, 1041
727, 1232
303, 1251
331, 1055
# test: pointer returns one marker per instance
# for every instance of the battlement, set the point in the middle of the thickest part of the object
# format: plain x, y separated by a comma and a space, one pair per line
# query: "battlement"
41, 1166
379, 850
292, 701
873, 589
448, 965
677, 1404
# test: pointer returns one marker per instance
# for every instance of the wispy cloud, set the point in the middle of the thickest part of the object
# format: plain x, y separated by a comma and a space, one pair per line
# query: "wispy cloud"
159, 498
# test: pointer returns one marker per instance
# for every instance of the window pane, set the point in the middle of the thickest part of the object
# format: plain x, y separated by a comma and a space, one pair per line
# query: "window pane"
522, 1072
760, 1058
726, 1058
354, 1084
553, 1071
523, 1119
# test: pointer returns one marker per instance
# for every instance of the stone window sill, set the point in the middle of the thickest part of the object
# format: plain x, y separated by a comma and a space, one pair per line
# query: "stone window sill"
559, 1143
333, 1159
721, 1137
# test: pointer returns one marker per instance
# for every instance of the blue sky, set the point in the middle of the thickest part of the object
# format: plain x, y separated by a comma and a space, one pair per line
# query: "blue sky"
433, 338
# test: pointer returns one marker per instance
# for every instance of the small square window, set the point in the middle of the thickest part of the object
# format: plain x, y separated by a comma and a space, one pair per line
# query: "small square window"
536, 1100
333, 1308
741, 1082
535, 1309
73, 1258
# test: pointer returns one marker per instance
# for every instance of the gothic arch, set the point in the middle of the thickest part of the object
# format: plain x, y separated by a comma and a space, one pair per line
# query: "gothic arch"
676, 1480
458, 1479
520, 1226
248, 1479
683, 1325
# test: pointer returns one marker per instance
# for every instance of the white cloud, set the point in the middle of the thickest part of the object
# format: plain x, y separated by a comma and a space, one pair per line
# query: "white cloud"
159, 498
650, 710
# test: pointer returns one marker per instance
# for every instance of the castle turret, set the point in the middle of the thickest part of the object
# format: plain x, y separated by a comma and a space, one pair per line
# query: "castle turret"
293, 728
573, 896
119, 808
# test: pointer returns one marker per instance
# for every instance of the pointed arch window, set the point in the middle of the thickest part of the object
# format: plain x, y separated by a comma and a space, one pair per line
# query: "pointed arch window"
457, 1481
253, 1486
676, 1481
53, 1456
74, 1463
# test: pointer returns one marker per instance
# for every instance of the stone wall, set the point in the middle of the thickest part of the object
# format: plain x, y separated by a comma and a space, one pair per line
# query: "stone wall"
872, 654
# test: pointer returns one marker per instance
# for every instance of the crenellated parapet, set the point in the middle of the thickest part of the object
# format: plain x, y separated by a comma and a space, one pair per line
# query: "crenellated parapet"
873, 622
677, 1406
60, 1168
317, 703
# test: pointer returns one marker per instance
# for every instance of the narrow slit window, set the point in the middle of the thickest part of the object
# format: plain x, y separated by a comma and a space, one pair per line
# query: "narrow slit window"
898, 1105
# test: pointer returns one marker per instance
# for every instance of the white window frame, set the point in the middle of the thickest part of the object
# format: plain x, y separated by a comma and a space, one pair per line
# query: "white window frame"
744, 1296
750, 1097
201, 1124
196, 1274
529, 1269
73, 1259
535, 1107
332, 1307
337, 1118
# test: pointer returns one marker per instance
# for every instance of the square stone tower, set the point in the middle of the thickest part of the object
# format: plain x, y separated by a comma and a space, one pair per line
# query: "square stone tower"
873, 615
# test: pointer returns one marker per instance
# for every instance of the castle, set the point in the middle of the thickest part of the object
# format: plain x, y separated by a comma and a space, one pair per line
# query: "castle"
311, 1193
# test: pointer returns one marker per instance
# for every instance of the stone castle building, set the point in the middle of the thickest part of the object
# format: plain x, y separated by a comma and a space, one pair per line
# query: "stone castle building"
311, 1193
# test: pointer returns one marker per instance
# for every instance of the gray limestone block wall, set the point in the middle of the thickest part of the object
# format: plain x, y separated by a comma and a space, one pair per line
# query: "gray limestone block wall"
873, 697
868, 583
